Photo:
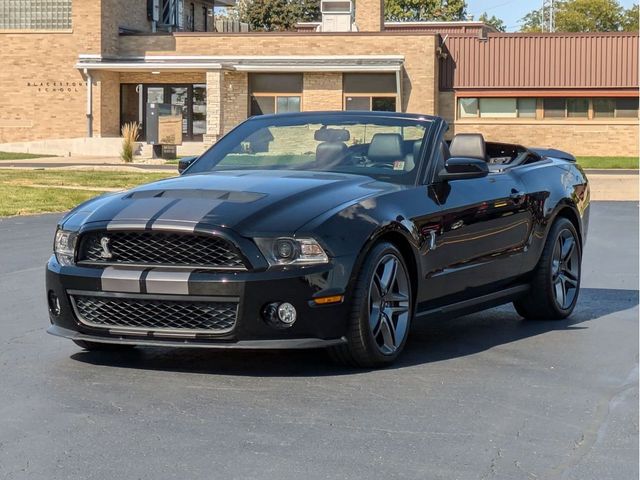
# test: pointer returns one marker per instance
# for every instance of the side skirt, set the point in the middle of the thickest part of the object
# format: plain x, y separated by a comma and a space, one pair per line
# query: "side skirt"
472, 305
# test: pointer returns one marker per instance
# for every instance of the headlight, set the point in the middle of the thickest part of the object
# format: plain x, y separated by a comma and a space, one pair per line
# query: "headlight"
64, 247
292, 251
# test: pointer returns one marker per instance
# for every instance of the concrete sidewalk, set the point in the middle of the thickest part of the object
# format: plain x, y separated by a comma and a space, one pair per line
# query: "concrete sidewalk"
87, 162
614, 187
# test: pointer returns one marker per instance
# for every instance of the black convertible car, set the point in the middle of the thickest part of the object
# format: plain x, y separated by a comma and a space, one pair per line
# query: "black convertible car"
334, 229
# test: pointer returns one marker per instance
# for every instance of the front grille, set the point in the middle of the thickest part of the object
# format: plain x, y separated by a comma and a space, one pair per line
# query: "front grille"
156, 315
159, 249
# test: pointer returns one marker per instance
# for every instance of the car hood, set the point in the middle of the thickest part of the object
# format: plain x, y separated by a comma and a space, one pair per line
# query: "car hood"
249, 202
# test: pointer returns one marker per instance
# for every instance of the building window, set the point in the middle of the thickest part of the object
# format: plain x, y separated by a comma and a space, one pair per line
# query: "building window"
553, 107
604, 107
496, 107
192, 18
35, 14
467, 107
578, 107
627, 107
205, 18
566, 107
275, 93
527, 107
615, 107
370, 91
370, 104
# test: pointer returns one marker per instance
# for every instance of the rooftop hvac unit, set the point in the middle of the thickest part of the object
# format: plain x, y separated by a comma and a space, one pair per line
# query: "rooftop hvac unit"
337, 15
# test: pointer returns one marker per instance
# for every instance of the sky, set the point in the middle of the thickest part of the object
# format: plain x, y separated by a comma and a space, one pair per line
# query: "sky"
511, 11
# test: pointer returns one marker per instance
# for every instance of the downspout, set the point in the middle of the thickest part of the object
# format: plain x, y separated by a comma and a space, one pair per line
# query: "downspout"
399, 90
89, 103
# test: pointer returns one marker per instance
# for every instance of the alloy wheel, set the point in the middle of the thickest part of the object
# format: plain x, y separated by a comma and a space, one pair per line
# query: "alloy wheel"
565, 269
389, 303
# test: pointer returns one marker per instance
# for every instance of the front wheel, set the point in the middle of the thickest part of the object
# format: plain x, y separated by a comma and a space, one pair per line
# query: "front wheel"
556, 281
381, 311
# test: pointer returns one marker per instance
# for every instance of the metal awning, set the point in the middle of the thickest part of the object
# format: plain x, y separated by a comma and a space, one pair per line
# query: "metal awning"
283, 63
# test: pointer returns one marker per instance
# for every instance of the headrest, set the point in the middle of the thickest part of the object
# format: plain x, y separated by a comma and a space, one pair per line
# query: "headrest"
385, 147
330, 152
416, 149
332, 135
468, 145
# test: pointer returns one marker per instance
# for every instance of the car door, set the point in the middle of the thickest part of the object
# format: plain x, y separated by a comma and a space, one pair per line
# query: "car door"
483, 227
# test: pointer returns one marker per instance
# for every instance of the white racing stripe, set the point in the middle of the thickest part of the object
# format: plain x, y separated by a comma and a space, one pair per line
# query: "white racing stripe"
115, 279
191, 210
139, 210
168, 282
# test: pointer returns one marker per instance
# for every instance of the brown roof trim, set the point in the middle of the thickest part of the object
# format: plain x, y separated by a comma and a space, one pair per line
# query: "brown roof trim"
280, 34
550, 34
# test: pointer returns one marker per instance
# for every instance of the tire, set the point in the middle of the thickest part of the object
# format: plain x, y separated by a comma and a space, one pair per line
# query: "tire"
381, 311
555, 285
102, 347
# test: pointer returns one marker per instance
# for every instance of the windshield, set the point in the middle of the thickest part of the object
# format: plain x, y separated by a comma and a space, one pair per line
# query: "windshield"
385, 148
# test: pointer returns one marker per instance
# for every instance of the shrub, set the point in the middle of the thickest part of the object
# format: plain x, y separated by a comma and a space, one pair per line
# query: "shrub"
130, 133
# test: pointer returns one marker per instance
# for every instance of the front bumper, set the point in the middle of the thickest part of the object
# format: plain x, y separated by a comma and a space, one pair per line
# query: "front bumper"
287, 343
316, 326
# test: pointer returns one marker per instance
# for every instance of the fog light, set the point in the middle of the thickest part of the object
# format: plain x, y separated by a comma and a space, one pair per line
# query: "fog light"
287, 313
54, 303
279, 315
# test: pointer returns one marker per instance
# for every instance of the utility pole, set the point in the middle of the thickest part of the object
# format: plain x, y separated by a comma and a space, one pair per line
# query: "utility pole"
548, 20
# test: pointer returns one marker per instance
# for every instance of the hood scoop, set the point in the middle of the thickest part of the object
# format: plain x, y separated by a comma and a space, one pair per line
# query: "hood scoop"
200, 194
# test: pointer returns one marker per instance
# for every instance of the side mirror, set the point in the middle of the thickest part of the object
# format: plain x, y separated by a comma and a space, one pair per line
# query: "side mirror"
460, 168
184, 163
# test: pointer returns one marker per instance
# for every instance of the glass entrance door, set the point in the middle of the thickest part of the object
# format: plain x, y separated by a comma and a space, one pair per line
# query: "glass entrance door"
191, 99
199, 106
179, 96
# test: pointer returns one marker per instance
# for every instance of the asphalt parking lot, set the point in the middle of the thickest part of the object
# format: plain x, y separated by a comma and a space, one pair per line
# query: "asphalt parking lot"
480, 397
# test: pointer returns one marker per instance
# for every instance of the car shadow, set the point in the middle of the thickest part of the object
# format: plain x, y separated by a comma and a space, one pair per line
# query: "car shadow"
429, 341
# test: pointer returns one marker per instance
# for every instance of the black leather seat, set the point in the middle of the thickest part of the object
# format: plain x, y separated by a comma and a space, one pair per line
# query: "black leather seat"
469, 145
386, 148
330, 153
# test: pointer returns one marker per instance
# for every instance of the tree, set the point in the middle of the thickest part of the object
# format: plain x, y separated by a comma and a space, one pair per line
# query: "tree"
277, 15
494, 21
581, 16
309, 10
631, 19
415, 10
589, 16
532, 21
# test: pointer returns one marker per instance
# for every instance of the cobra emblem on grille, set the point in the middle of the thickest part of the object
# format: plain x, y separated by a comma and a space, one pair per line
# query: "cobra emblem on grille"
106, 252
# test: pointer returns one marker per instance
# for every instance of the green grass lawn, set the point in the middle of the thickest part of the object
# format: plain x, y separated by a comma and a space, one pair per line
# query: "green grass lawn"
24, 192
21, 156
608, 162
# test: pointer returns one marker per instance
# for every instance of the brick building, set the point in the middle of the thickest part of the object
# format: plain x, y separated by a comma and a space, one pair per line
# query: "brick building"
78, 70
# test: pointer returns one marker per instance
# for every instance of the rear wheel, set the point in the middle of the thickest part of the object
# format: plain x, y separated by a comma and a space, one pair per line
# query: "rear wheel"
102, 347
556, 281
381, 311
